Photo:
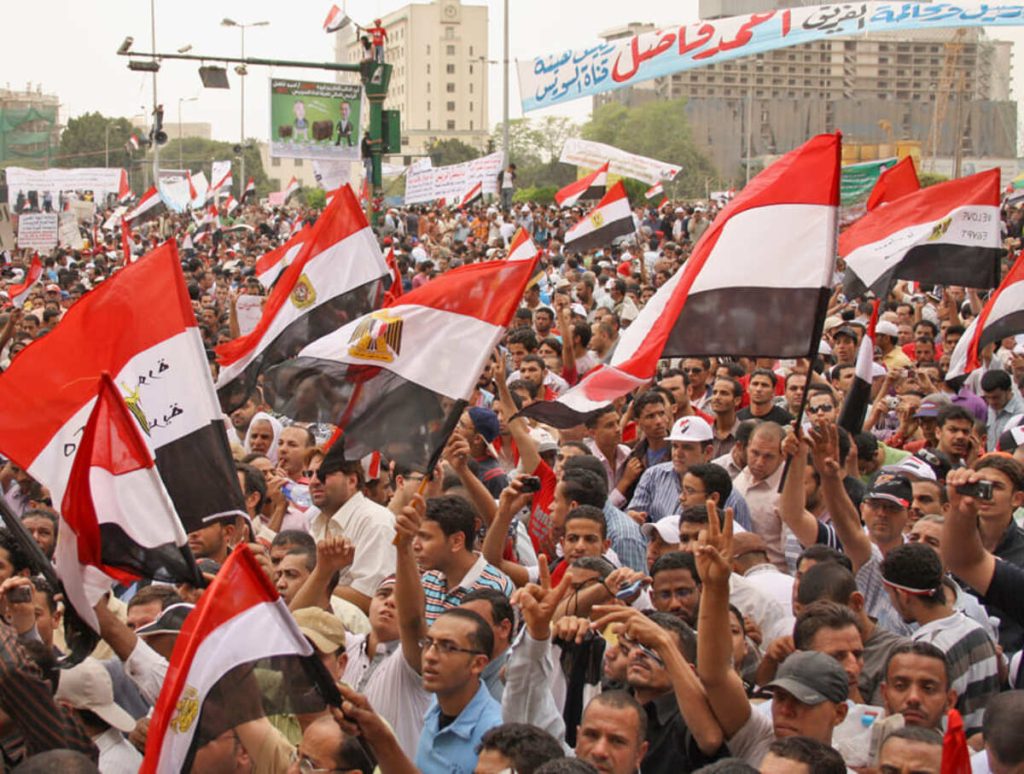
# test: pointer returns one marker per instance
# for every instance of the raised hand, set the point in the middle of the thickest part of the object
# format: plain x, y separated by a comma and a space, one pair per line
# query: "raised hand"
335, 553
714, 548
538, 601
407, 523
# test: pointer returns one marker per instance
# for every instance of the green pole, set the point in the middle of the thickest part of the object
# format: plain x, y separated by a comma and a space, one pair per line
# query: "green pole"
376, 77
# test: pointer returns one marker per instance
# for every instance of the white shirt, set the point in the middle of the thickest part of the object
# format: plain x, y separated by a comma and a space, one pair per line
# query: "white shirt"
117, 755
774, 584
371, 528
147, 669
762, 498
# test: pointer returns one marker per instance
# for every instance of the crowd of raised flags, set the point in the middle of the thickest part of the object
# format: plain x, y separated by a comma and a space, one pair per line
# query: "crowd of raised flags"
126, 367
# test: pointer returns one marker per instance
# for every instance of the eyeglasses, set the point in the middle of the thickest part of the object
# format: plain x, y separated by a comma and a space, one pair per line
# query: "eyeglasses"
689, 491
445, 647
628, 646
306, 766
818, 409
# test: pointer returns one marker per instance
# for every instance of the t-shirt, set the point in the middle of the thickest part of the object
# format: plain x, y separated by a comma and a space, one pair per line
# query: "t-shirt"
778, 415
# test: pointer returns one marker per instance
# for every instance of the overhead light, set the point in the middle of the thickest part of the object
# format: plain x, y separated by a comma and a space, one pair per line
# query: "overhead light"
126, 46
228, 22
144, 65
185, 49
214, 77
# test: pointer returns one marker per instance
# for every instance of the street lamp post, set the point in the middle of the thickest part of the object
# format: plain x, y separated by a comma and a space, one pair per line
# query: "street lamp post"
504, 107
240, 69
181, 161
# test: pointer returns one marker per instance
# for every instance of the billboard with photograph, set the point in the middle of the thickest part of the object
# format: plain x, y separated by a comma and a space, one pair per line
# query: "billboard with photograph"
311, 120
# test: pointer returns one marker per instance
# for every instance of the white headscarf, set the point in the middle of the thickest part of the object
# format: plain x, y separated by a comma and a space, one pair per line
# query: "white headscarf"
275, 426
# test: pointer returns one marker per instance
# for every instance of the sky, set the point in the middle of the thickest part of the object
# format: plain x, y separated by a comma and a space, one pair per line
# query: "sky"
75, 57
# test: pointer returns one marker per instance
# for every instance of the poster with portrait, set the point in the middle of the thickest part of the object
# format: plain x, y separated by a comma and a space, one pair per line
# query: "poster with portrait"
311, 120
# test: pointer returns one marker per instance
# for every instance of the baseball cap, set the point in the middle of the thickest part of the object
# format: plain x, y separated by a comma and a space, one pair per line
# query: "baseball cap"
544, 440
51, 288
914, 467
169, 622
812, 678
892, 487
887, 328
691, 429
87, 686
322, 628
931, 405
833, 321
667, 528
484, 422
847, 331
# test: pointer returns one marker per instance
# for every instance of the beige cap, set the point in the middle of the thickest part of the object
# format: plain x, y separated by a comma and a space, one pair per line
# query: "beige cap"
87, 686
323, 628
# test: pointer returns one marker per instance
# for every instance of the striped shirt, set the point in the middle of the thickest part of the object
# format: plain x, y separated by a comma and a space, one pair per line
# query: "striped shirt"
658, 492
973, 663
481, 575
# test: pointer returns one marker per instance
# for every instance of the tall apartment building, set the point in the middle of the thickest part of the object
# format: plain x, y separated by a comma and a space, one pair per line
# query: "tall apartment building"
29, 127
439, 81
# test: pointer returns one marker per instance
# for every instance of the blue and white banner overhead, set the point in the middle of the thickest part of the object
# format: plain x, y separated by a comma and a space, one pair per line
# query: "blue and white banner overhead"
606, 66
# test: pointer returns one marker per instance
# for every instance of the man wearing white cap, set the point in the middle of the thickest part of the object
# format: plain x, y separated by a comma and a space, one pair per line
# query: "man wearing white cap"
87, 690
662, 538
886, 337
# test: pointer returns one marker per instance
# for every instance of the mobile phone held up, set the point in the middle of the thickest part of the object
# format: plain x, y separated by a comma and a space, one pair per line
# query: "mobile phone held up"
529, 484
979, 490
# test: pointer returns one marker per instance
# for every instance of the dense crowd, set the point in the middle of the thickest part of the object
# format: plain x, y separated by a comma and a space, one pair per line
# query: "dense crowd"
691, 580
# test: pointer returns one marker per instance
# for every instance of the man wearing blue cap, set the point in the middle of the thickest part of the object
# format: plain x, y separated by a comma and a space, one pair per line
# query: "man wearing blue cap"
479, 428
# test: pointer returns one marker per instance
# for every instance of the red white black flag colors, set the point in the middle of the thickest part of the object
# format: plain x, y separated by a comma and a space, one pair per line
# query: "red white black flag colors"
250, 190
591, 186
124, 191
1002, 316
894, 182
858, 397
726, 298
947, 234
337, 275
396, 380
270, 265
138, 326
293, 186
610, 219
150, 206
655, 191
239, 626
474, 194
336, 19
19, 293
116, 519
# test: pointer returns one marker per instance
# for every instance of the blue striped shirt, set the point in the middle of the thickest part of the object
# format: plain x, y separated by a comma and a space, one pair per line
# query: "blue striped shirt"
658, 492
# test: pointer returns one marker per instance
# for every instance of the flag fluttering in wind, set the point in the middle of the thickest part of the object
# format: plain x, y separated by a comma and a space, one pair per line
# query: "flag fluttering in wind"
124, 190
270, 265
250, 190
947, 234
117, 521
858, 397
230, 205
396, 380
727, 299
138, 326
133, 143
894, 182
19, 293
610, 219
150, 206
474, 194
336, 276
395, 291
336, 19
1002, 316
655, 191
591, 186
126, 242
293, 186
240, 629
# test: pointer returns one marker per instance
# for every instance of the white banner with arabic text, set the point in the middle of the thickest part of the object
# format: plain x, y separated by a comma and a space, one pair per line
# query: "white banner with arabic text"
591, 155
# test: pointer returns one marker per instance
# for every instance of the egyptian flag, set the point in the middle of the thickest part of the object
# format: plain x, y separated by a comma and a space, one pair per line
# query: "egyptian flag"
336, 19
337, 276
591, 186
250, 190
230, 205
270, 265
396, 380
395, 291
138, 326
19, 293
116, 519
133, 143
209, 223
293, 186
610, 219
894, 182
855, 406
1002, 316
655, 191
474, 194
727, 299
521, 248
240, 656
193, 194
150, 206
126, 241
124, 191
223, 184
947, 234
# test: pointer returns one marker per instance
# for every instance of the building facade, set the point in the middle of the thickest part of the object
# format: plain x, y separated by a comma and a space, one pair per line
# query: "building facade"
439, 55
29, 127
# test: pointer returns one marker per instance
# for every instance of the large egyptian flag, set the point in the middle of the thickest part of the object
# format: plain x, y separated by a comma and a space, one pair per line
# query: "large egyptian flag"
19, 293
138, 326
727, 298
117, 522
898, 180
240, 656
150, 206
610, 219
396, 380
858, 397
947, 234
1002, 316
591, 186
270, 265
337, 276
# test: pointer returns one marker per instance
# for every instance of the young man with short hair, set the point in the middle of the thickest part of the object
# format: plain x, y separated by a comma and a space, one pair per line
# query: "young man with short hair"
916, 685
762, 399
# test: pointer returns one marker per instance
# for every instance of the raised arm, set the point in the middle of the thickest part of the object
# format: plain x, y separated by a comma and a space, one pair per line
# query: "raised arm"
962, 548
409, 599
529, 458
509, 503
456, 454
792, 499
845, 519
333, 554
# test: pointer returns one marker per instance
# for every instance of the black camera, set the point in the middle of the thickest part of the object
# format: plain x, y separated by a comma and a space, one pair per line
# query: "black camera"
979, 490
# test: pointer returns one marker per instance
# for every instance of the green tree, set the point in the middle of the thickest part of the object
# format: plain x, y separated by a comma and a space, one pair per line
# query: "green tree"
198, 153
535, 148
451, 151
314, 197
659, 130
86, 140
930, 178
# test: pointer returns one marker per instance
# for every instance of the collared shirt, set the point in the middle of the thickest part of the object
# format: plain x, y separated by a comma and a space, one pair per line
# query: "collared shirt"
626, 538
491, 676
481, 575
612, 468
762, 496
371, 528
773, 583
658, 491
999, 420
361, 664
452, 749
147, 669
671, 745
726, 461
117, 755
722, 444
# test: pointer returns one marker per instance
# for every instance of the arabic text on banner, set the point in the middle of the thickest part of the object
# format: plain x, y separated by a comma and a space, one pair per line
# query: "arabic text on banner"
311, 120
100, 180
591, 155
37, 231
424, 183
575, 73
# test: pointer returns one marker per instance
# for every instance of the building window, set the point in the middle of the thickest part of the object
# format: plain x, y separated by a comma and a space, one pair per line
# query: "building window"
470, 108
450, 88
449, 50
451, 126
471, 126
428, 49
428, 87
428, 107
298, 162
471, 69
449, 33
275, 162
428, 123
471, 88
471, 51
428, 68
450, 107
450, 69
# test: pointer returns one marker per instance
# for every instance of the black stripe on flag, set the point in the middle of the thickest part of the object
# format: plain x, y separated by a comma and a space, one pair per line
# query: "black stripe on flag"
1007, 325
603, 236
937, 264
167, 563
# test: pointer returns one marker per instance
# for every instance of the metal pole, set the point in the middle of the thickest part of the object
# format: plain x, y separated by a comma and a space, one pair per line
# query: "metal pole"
156, 148
504, 109
181, 153
750, 127
241, 78
106, 146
